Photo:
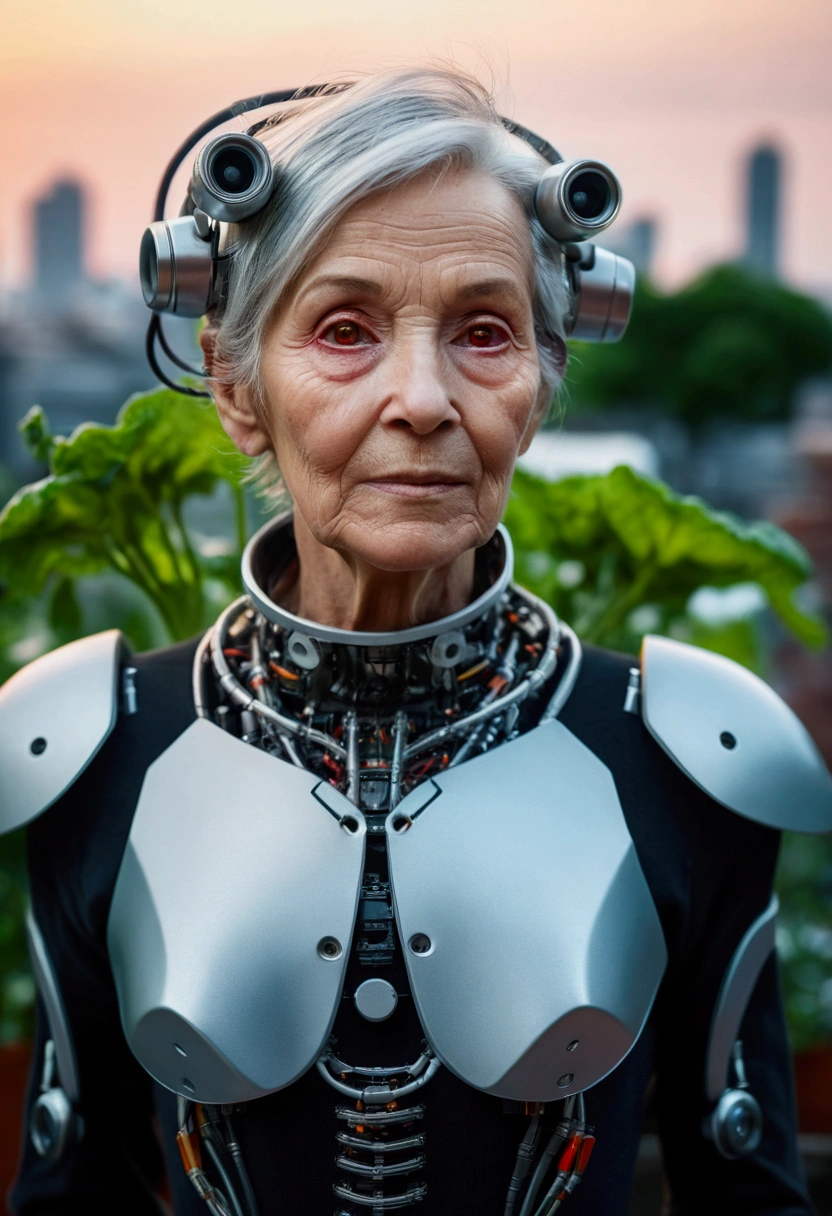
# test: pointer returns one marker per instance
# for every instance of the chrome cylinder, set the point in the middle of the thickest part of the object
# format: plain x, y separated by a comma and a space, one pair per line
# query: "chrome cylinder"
232, 177
577, 199
176, 268
605, 300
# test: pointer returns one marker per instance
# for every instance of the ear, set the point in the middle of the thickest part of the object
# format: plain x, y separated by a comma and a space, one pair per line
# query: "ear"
238, 414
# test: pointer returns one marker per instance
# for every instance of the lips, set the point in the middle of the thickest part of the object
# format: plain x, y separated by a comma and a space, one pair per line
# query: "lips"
416, 485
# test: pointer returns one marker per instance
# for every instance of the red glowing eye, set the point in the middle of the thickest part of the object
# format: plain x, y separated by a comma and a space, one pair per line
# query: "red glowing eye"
345, 334
481, 335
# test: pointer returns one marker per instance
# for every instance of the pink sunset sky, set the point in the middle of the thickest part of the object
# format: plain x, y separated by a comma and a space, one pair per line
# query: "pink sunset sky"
671, 94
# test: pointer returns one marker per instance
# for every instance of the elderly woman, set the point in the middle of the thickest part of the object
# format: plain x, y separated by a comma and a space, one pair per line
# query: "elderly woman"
381, 895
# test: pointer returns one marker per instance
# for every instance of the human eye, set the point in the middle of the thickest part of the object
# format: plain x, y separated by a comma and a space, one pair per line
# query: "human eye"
483, 335
345, 333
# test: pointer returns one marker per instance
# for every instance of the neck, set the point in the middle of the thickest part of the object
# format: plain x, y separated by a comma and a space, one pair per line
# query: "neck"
342, 591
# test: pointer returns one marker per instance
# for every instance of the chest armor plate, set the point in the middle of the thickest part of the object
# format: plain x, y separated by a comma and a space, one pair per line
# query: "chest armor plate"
533, 947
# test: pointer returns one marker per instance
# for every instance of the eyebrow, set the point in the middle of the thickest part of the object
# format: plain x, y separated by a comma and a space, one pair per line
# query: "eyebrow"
345, 282
492, 287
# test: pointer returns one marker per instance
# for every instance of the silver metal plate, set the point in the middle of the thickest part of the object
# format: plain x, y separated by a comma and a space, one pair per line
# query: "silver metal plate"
376, 999
735, 993
232, 918
53, 1003
533, 946
734, 737
54, 716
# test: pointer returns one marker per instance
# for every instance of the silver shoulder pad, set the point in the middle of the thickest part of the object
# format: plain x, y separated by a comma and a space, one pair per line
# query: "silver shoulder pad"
734, 737
54, 716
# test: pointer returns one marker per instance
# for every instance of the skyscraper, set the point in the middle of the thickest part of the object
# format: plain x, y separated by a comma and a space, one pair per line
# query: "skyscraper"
58, 231
636, 241
763, 174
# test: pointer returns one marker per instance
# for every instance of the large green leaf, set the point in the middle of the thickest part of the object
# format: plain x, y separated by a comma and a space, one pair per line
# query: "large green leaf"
114, 499
638, 543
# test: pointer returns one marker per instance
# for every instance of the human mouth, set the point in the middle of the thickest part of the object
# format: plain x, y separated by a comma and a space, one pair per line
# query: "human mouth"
414, 486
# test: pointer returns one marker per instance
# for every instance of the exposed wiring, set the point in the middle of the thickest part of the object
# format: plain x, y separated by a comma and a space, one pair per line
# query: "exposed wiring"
522, 1165
568, 679
153, 331
171, 353
225, 1178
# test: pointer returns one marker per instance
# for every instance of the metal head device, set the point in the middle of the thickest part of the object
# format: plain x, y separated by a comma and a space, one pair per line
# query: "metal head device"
181, 265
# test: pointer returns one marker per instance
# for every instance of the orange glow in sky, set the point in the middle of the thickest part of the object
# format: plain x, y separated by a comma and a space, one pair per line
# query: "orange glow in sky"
672, 94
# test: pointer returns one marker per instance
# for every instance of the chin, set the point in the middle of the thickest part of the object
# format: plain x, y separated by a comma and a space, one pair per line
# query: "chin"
403, 546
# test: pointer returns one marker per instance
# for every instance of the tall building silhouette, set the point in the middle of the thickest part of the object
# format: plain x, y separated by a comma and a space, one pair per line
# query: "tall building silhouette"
636, 241
763, 182
58, 232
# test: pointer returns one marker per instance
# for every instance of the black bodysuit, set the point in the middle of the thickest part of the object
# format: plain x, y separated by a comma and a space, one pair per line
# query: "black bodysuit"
709, 871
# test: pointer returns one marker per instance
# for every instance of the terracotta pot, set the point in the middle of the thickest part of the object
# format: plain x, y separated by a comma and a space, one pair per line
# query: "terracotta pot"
813, 1077
14, 1068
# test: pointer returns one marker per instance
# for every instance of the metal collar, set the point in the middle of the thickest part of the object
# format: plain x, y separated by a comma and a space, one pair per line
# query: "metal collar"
252, 562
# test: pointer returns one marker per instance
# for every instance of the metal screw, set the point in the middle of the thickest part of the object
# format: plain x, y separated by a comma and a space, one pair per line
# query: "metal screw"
420, 943
571, 1046
38, 746
329, 948
728, 740
566, 1079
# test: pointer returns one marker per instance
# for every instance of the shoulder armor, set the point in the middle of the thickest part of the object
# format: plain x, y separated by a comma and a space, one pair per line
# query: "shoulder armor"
54, 716
734, 736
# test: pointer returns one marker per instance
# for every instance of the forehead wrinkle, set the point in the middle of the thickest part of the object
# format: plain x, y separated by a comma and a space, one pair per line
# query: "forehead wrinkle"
435, 232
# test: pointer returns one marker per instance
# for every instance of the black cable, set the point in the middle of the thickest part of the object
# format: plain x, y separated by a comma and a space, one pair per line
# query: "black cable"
540, 145
155, 367
268, 99
171, 353
525, 1156
245, 106
236, 1152
216, 120
225, 1177
559, 1136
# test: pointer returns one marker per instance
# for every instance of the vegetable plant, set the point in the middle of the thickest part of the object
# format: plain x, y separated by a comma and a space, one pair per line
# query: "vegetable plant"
621, 554
114, 500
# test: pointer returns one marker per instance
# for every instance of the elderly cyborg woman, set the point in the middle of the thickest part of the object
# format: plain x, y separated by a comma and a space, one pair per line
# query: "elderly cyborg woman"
383, 895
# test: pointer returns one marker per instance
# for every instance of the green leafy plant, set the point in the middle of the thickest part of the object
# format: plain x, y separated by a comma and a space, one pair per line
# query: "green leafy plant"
114, 500
620, 555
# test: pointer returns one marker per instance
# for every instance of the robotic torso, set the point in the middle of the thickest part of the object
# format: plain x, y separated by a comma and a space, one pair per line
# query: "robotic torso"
495, 856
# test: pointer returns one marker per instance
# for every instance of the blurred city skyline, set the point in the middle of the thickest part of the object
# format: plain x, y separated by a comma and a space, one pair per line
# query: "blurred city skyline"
674, 97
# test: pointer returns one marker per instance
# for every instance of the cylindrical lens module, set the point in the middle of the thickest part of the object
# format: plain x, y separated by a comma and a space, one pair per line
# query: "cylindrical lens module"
605, 298
176, 268
577, 199
232, 178
156, 267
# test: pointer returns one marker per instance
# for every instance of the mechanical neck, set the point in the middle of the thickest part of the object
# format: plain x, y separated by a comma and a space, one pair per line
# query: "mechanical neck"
376, 713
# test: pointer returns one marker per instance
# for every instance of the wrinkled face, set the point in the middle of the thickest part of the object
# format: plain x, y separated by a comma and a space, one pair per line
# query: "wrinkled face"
402, 379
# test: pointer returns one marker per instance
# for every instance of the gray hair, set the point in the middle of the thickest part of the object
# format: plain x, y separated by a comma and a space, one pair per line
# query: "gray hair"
341, 147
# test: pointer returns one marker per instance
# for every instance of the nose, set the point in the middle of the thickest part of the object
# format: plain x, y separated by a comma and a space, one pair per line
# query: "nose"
419, 391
